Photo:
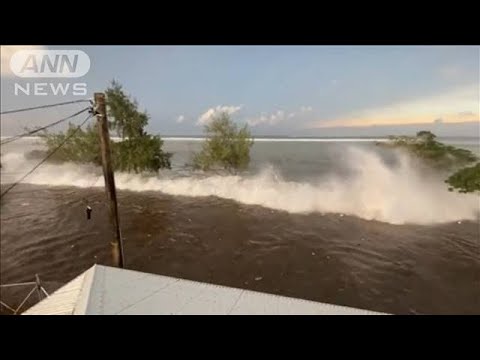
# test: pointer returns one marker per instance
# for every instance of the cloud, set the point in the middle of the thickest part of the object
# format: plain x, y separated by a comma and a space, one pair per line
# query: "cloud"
6, 52
180, 119
268, 119
207, 116
457, 105
277, 116
334, 82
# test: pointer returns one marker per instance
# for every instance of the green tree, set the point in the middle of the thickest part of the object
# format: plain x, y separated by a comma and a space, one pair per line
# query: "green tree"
83, 147
140, 153
458, 162
226, 146
136, 152
438, 155
123, 113
465, 180
426, 136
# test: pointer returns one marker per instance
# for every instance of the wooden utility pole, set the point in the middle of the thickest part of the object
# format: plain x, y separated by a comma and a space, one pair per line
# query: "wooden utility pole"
102, 123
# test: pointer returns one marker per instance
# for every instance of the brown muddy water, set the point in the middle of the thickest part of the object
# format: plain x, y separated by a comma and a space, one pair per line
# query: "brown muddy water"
258, 233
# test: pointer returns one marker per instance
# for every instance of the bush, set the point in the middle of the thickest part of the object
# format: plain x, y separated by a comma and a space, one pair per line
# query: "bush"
226, 146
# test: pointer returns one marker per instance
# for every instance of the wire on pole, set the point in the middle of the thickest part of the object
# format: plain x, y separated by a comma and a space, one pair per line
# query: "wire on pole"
47, 157
44, 106
16, 137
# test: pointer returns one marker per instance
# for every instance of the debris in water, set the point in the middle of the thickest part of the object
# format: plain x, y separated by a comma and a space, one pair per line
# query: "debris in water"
459, 222
25, 204
313, 253
148, 235
89, 212
258, 278
342, 215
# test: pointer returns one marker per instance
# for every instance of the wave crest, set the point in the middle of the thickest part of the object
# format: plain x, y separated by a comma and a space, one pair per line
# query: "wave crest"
397, 194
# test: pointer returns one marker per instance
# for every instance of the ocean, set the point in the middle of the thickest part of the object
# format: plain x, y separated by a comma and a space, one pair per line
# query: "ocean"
333, 220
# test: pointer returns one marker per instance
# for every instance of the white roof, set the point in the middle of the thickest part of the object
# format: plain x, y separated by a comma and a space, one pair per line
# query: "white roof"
112, 291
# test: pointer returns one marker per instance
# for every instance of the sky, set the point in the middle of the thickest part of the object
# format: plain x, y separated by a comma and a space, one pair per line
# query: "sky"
276, 90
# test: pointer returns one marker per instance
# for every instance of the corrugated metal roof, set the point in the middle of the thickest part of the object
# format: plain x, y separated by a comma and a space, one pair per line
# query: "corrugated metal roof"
62, 301
106, 290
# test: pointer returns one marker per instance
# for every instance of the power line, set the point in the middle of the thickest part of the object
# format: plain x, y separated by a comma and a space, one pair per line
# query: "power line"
16, 137
44, 106
47, 157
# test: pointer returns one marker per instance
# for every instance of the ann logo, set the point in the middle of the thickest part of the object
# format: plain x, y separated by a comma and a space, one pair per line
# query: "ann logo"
50, 63
41, 64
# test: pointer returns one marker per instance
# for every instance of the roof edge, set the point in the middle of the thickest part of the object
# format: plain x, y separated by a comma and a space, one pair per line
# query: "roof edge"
84, 296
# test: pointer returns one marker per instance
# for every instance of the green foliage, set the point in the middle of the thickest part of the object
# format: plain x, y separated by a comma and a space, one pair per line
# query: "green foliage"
83, 147
136, 152
139, 154
226, 146
426, 135
123, 113
465, 180
435, 153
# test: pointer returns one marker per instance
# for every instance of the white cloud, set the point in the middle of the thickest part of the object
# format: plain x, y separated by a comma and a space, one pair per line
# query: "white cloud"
207, 116
334, 82
306, 108
269, 119
6, 52
180, 119
291, 115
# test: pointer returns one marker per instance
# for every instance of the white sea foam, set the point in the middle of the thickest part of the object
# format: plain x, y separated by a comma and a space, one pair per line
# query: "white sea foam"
396, 194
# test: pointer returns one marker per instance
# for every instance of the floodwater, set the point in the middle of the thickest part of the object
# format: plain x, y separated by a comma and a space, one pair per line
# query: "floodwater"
336, 222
